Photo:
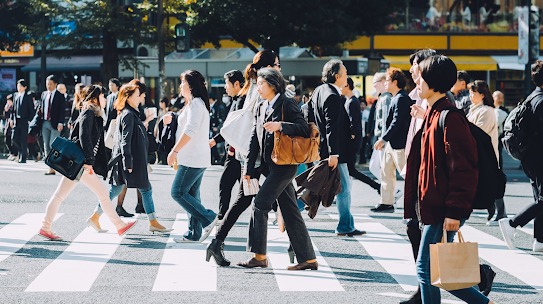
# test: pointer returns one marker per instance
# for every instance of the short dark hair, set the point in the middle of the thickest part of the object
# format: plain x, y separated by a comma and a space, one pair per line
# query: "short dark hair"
211, 95
350, 83
398, 75
420, 55
439, 72
116, 82
481, 87
463, 76
274, 78
52, 78
537, 73
22, 82
330, 70
9, 97
363, 100
234, 76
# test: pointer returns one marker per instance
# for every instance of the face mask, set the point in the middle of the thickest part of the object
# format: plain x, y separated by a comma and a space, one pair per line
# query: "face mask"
225, 99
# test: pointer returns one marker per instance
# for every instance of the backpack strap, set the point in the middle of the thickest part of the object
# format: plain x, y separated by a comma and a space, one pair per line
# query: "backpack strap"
443, 117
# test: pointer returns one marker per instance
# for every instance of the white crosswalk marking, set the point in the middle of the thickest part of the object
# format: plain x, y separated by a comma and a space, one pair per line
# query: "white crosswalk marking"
390, 250
17, 233
528, 229
321, 280
520, 264
79, 265
183, 266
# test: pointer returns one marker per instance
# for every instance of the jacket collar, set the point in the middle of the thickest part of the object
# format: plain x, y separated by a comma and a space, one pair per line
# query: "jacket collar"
129, 108
335, 88
278, 102
474, 107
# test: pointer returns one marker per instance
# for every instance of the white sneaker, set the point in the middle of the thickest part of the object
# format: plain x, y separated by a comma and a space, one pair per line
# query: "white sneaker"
538, 246
492, 223
508, 232
184, 240
208, 229
398, 195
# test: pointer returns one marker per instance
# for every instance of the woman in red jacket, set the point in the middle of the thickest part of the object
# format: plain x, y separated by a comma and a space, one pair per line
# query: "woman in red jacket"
441, 177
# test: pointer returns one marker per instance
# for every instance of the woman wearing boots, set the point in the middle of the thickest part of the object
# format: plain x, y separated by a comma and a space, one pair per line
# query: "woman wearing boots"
264, 58
129, 155
89, 131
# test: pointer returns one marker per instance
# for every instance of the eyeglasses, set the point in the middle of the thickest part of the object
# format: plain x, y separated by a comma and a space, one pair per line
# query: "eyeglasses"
277, 65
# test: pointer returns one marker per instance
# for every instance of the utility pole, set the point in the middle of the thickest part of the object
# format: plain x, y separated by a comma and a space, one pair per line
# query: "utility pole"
43, 57
161, 50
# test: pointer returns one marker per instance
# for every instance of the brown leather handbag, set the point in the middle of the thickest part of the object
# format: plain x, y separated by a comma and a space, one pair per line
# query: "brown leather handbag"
295, 150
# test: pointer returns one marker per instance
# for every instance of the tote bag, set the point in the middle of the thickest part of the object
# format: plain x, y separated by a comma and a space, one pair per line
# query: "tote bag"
108, 141
454, 265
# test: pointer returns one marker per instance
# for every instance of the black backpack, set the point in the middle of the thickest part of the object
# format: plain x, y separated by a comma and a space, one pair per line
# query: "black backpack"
491, 181
518, 133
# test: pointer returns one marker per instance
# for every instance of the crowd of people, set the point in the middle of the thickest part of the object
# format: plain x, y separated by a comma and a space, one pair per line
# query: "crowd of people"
438, 158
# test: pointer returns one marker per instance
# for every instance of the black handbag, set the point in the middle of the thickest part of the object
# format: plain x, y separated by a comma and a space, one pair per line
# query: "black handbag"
34, 127
66, 157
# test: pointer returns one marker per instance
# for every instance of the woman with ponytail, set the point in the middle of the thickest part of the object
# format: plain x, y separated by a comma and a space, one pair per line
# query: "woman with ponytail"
88, 131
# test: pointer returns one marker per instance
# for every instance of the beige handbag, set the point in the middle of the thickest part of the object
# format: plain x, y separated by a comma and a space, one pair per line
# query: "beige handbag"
454, 265
108, 142
251, 188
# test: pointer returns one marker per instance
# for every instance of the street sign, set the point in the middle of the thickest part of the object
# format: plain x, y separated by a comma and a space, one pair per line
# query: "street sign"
523, 35
25, 50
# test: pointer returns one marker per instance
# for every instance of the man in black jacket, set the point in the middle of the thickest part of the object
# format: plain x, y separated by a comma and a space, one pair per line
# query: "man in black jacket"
23, 112
51, 108
352, 106
217, 115
327, 111
232, 167
394, 137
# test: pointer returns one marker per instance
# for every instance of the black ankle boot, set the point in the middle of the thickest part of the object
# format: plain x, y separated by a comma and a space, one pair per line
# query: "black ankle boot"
291, 255
215, 249
416, 298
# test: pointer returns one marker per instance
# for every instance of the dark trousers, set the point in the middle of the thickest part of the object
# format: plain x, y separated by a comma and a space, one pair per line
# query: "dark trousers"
19, 137
278, 186
240, 205
415, 234
231, 174
357, 174
533, 167
9, 143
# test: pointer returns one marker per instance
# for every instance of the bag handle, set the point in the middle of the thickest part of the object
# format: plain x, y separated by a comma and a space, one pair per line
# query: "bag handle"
444, 239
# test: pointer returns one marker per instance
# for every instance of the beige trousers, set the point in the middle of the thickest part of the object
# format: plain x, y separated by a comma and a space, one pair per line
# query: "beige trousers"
95, 184
392, 160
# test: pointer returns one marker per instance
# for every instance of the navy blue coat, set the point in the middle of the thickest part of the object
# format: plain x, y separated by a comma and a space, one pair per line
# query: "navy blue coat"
398, 120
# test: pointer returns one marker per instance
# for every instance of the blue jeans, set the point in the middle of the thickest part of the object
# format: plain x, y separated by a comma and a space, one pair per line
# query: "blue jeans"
146, 195
186, 192
431, 294
343, 201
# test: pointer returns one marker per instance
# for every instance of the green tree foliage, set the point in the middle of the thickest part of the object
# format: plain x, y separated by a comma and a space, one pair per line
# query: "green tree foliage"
276, 23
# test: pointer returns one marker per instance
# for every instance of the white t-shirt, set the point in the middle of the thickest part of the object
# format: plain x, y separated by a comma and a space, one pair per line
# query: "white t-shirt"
194, 122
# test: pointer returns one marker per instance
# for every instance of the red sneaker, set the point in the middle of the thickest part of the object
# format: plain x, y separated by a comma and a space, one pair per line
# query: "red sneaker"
128, 226
50, 236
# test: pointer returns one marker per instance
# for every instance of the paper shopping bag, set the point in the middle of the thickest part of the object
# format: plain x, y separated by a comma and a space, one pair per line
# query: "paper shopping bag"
454, 265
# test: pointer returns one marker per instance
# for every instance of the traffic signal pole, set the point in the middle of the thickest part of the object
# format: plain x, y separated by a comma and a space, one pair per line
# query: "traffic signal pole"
161, 50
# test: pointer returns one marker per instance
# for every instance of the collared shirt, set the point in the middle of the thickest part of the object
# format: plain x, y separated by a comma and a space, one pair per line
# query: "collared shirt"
269, 108
50, 94
337, 88
18, 103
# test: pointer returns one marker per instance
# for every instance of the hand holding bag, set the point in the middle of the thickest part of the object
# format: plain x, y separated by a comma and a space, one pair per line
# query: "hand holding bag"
66, 157
454, 265
251, 187
295, 150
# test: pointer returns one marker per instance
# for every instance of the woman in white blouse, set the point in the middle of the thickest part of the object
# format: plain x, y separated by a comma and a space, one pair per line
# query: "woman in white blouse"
193, 155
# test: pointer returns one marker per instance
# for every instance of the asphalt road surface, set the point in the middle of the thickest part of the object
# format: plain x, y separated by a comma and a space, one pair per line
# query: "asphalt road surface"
142, 267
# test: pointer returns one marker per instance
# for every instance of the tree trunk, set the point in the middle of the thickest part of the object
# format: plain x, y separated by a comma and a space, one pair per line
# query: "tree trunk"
110, 53
246, 43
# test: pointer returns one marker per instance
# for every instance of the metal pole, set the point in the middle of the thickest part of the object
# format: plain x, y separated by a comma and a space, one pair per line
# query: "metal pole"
527, 70
43, 62
161, 51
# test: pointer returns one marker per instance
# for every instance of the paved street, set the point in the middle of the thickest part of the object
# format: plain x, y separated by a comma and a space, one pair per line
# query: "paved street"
144, 268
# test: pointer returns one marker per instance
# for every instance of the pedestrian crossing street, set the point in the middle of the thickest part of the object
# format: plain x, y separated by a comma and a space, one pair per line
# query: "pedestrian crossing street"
183, 266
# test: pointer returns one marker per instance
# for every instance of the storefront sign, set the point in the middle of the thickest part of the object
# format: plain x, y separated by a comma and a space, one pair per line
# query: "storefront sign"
13, 61
25, 50
523, 35
7, 80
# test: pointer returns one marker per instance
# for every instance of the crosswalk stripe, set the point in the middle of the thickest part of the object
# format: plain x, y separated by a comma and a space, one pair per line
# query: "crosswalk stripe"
400, 295
518, 263
17, 233
390, 250
321, 280
183, 266
79, 265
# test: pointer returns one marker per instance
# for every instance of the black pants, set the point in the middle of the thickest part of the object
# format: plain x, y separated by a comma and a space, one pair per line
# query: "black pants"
231, 174
533, 167
278, 186
415, 234
359, 175
9, 143
20, 137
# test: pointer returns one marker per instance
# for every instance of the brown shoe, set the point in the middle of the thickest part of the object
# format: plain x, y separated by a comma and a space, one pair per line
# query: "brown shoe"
304, 266
252, 263
51, 172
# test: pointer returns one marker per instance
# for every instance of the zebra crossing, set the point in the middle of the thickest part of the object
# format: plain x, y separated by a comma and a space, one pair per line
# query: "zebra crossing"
183, 266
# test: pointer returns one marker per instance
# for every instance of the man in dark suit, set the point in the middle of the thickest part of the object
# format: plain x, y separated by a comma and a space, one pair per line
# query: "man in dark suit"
23, 112
352, 106
217, 116
327, 111
51, 109
394, 137
111, 113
